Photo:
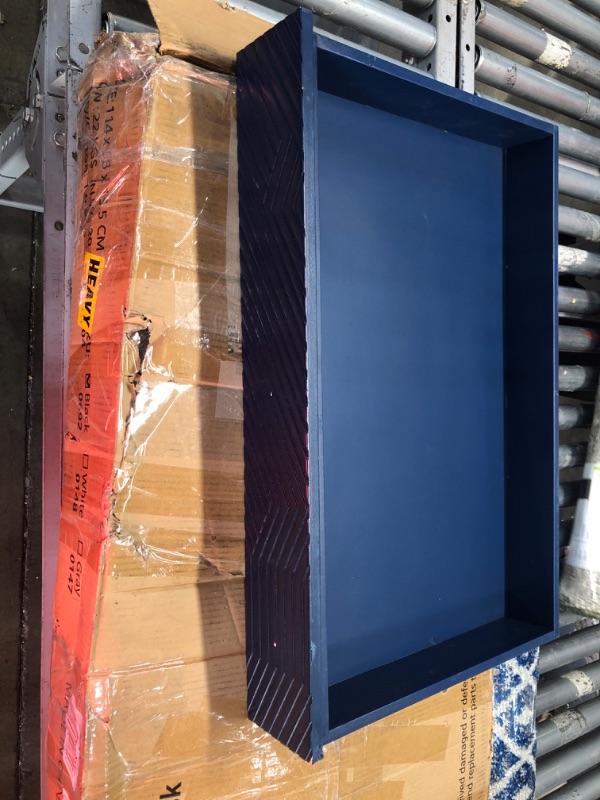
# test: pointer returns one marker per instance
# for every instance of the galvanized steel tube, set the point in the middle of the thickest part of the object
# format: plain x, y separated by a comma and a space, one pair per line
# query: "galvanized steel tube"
577, 379
584, 642
513, 33
579, 223
573, 261
115, 22
591, 6
576, 183
571, 455
581, 166
578, 302
577, 144
553, 770
557, 692
583, 787
574, 415
567, 726
379, 20
586, 787
563, 18
507, 75
568, 493
577, 340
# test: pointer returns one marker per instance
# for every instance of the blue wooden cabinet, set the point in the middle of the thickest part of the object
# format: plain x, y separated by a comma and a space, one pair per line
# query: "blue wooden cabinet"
398, 251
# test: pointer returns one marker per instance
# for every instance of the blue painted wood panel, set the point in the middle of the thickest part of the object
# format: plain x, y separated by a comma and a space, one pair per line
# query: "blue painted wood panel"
412, 390
400, 393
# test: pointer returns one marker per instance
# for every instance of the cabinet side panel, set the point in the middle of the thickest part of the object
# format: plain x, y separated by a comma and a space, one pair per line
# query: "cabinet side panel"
531, 370
272, 241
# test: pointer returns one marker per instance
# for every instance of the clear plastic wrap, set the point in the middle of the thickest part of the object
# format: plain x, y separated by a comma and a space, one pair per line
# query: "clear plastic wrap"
148, 666
153, 484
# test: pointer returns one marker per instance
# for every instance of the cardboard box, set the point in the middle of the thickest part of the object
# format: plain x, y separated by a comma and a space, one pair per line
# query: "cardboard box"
148, 665
198, 739
153, 481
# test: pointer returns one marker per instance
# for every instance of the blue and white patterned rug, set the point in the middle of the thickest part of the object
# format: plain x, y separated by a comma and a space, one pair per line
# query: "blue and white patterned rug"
514, 738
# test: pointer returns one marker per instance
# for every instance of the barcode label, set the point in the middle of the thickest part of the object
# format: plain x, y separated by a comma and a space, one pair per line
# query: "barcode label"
72, 750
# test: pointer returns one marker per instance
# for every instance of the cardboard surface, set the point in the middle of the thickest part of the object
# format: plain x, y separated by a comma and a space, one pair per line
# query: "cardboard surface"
207, 31
202, 740
148, 665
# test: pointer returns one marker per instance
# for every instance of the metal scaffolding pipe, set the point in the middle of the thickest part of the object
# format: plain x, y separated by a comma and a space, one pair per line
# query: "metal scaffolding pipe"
568, 493
577, 144
576, 183
573, 163
578, 302
563, 18
115, 22
579, 223
508, 76
567, 726
576, 415
577, 340
571, 455
573, 261
577, 379
513, 33
591, 6
586, 787
567, 763
383, 22
585, 642
557, 692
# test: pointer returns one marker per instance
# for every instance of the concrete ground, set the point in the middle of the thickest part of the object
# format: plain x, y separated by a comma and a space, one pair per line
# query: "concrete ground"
21, 259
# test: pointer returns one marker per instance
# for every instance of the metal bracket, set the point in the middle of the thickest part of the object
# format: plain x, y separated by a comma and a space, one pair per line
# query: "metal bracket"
36, 87
441, 62
70, 31
21, 141
467, 13
13, 158
25, 193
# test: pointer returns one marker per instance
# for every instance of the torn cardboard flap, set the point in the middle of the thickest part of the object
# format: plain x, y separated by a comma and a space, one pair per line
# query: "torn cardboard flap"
151, 550
209, 32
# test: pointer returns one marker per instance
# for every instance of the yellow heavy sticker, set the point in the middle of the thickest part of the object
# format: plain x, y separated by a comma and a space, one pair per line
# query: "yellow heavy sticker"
92, 273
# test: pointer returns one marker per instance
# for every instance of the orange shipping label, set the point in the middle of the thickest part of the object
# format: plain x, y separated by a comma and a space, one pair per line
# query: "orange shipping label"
92, 273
